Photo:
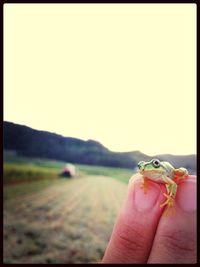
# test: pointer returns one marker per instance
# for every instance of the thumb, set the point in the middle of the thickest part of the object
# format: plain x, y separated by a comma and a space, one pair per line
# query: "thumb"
135, 228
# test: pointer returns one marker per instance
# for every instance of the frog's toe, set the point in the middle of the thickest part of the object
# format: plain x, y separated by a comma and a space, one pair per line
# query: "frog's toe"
144, 185
170, 211
163, 204
169, 201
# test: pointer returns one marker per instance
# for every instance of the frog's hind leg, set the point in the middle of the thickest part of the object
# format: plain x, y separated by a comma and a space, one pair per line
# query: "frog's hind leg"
171, 193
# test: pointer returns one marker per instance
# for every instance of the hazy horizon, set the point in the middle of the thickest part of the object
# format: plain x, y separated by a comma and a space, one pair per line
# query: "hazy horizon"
120, 74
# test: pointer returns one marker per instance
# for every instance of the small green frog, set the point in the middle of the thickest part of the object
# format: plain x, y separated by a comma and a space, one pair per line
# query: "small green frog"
162, 172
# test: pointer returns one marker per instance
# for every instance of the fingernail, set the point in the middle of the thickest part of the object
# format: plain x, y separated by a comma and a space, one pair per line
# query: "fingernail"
146, 201
186, 196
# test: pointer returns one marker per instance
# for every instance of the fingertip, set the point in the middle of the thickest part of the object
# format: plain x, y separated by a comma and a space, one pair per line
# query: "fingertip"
186, 195
135, 228
135, 177
192, 177
175, 240
145, 201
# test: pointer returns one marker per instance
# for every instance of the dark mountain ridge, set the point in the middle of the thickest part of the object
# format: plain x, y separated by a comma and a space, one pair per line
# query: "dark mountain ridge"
29, 142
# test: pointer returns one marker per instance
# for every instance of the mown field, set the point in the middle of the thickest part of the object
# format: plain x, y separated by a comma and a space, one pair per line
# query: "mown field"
49, 219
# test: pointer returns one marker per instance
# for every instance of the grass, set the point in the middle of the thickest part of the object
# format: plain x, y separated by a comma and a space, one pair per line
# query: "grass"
21, 189
65, 221
20, 169
33, 161
14, 172
49, 219
120, 174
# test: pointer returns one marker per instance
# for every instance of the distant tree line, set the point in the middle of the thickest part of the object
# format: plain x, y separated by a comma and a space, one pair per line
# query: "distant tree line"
42, 144
33, 143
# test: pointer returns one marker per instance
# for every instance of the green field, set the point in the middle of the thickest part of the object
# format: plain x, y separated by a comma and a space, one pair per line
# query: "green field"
49, 219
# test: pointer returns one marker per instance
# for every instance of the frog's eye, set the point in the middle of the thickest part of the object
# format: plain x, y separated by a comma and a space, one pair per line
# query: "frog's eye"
156, 163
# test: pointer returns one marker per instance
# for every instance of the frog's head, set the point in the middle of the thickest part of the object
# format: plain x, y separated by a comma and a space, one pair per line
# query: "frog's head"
155, 168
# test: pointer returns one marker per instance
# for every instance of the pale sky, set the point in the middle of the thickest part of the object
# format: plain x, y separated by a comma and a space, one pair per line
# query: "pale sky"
121, 74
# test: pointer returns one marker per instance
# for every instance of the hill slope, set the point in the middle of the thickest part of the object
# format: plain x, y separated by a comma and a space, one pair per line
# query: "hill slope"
33, 143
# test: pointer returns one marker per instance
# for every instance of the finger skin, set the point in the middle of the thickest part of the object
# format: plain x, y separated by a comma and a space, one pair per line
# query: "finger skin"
175, 240
135, 228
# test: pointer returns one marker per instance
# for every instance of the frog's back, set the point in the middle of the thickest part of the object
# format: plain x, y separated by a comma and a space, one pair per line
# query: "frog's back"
169, 169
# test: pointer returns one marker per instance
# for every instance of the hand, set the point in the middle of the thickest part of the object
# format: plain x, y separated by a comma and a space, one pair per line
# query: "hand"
144, 234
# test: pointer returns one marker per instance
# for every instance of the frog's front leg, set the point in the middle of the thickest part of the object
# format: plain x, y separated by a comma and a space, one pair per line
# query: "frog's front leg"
144, 184
171, 192
180, 174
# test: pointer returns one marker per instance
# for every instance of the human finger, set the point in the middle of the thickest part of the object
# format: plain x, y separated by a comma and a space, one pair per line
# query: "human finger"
175, 240
135, 228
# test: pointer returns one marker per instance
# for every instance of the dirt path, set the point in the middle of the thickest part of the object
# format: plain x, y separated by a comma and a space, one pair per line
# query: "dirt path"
70, 222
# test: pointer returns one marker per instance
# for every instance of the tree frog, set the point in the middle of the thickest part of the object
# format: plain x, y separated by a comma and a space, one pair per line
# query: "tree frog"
162, 172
